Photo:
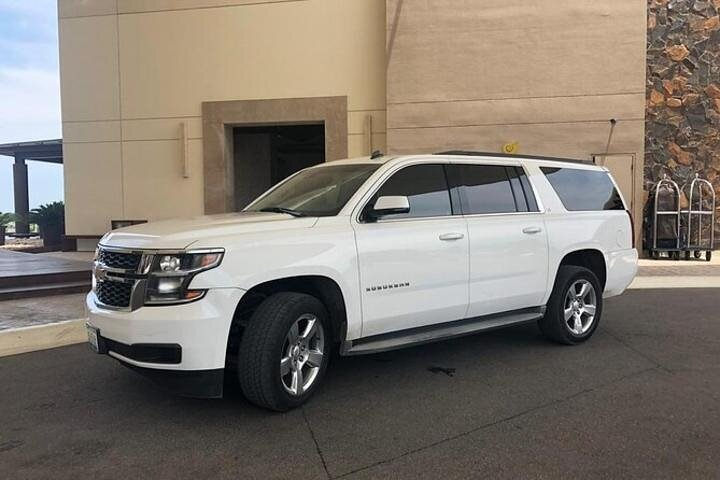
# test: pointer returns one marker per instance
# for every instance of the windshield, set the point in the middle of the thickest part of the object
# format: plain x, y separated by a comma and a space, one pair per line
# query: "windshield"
316, 192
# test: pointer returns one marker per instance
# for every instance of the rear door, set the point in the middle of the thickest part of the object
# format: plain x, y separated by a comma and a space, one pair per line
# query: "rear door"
414, 266
508, 242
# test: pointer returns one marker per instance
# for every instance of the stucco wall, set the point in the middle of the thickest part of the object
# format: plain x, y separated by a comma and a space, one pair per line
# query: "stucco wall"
133, 71
546, 75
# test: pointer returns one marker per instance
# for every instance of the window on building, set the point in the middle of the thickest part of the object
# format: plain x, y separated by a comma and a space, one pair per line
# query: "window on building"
584, 190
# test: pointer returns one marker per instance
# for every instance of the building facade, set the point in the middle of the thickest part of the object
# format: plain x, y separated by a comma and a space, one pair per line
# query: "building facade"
184, 107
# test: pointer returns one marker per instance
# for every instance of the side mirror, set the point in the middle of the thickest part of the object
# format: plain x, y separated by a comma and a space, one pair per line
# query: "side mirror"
389, 205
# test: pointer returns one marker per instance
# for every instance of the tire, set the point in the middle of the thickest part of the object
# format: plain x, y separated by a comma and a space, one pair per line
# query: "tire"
266, 342
708, 255
687, 254
697, 254
554, 325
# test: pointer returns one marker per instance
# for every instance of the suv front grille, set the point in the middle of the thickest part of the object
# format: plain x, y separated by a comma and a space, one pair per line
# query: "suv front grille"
124, 261
114, 294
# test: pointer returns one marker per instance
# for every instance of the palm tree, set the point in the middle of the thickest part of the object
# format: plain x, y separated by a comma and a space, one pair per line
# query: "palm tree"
5, 219
50, 217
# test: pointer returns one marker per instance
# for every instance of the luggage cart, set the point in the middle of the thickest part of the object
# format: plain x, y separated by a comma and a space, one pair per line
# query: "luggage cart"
699, 215
665, 230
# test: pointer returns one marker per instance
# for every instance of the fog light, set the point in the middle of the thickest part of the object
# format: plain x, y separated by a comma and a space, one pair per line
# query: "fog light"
169, 285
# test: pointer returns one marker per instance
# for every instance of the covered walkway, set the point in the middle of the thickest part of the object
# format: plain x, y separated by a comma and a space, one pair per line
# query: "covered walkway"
49, 151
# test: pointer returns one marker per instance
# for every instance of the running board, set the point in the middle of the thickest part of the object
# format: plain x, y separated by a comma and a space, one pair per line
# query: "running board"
442, 331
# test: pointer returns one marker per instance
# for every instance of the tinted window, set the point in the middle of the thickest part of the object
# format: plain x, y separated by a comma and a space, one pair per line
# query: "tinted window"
583, 190
426, 189
527, 190
483, 188
517, 189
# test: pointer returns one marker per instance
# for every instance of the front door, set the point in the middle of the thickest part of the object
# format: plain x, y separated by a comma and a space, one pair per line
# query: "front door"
413, 266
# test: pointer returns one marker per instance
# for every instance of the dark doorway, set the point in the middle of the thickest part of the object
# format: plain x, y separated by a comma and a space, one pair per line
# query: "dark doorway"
265, 155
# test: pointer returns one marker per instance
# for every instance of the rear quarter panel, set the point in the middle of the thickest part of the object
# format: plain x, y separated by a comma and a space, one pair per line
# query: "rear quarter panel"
608, 231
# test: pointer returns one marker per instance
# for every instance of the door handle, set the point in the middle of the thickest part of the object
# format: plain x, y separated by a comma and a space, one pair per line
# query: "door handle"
451, 236
532, 230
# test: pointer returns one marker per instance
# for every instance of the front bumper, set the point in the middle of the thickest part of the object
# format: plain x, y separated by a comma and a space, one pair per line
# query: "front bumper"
198, 332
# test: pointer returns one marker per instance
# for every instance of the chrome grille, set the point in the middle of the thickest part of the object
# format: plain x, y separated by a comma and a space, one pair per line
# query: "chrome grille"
124, 261
114, 294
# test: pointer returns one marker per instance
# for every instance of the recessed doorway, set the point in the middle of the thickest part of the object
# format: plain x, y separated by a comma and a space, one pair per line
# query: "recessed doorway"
265, 155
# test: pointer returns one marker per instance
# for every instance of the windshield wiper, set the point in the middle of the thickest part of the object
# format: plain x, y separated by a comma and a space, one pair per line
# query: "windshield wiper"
289, 211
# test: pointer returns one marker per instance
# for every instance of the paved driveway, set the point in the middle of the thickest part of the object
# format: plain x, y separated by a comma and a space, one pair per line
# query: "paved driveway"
641, 400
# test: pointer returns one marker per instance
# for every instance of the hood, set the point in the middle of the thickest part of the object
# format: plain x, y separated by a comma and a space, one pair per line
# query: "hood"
179, 234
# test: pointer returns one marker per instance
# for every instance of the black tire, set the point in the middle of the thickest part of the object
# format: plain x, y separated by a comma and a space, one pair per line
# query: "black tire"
553, 324
261, 349
697, 254
708, 255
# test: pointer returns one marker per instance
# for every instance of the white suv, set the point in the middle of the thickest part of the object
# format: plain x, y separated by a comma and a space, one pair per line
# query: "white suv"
366, 255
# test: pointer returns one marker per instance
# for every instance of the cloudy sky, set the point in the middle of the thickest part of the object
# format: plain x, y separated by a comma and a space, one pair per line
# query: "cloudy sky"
29, 92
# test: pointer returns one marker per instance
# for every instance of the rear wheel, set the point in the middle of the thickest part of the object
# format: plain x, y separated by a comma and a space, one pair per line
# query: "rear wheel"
708, 255
575, 306
284, 351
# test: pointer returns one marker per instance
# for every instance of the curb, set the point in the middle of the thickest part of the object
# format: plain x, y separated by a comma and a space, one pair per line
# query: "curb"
675, 281
42, 337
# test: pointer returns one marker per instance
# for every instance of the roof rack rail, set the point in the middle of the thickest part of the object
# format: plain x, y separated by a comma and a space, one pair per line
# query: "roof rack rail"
512, 155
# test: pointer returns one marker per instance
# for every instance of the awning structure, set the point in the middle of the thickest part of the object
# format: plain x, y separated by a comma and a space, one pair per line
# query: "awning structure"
49, 151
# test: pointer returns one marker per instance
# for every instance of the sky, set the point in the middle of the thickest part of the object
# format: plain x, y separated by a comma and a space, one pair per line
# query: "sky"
29, 93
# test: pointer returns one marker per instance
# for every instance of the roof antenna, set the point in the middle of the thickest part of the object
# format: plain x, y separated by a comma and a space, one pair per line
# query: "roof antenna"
376, 154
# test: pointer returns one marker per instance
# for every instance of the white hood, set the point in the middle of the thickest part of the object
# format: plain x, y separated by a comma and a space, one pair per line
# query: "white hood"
181, 233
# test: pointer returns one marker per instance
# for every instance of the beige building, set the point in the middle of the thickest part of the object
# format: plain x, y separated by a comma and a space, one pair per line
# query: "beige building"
184, 107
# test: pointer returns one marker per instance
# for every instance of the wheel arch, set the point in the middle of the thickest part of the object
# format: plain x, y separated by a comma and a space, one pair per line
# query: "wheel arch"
324, 288
590, 258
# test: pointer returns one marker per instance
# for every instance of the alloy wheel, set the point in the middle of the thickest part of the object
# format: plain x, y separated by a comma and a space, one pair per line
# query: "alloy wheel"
302, 354
580, 306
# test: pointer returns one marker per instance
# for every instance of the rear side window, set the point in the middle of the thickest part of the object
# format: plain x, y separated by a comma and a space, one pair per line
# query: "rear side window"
426, 188
584, 190
486, 189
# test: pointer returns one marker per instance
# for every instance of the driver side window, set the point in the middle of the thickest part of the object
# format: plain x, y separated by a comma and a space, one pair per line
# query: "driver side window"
426, 188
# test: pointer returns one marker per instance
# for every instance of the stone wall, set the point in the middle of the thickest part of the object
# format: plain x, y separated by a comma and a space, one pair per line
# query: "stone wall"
682, 128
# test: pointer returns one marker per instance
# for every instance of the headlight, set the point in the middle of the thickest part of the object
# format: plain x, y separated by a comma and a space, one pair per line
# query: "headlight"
170, 275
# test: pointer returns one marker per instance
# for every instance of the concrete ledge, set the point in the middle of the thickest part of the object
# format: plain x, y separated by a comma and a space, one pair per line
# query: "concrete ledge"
42, 337
676, 281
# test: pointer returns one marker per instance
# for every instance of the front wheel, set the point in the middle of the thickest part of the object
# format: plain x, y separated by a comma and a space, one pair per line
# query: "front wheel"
575, 306
284, 351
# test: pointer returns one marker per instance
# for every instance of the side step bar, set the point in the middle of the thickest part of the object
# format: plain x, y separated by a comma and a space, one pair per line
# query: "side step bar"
442, 331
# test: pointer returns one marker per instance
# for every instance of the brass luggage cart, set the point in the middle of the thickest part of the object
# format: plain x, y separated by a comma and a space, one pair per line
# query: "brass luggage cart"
699, 219
665, 218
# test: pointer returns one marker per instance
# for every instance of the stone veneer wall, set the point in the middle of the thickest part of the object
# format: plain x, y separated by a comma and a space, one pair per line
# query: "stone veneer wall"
682, 126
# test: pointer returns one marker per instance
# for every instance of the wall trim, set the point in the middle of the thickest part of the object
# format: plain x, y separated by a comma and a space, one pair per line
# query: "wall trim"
219, 118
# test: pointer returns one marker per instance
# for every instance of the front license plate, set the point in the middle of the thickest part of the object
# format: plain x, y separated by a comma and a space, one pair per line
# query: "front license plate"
92, 334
